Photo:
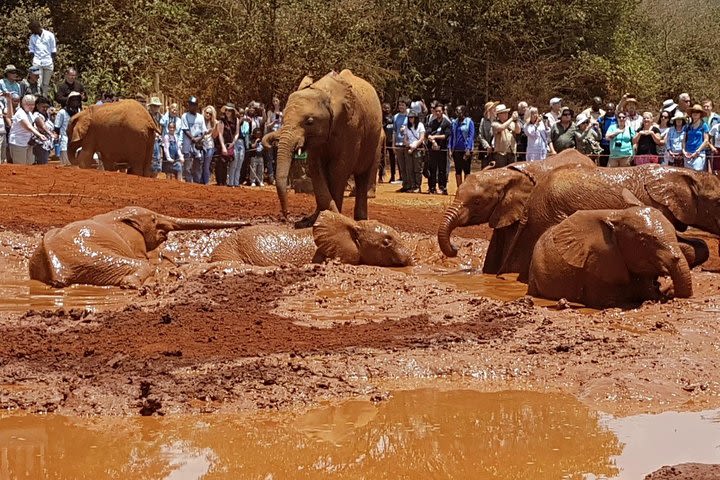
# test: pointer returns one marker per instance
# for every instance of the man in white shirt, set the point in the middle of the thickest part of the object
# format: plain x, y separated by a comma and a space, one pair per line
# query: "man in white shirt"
553, 116
44, 49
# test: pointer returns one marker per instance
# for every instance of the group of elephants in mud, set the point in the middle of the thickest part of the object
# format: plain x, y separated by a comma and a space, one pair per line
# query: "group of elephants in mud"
598, 236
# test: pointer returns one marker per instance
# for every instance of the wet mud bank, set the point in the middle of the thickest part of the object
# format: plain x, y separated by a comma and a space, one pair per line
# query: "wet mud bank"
215, 338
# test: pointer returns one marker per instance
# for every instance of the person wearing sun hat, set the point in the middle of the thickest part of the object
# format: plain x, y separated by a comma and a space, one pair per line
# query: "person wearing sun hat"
674, 140
504, 130
9, 82
629, 104
31, 84
562, 134
697, 139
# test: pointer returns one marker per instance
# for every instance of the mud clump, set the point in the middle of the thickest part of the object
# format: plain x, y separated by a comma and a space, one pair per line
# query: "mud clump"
686, 471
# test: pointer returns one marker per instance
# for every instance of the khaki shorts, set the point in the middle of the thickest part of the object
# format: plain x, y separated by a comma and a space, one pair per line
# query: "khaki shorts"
619, 161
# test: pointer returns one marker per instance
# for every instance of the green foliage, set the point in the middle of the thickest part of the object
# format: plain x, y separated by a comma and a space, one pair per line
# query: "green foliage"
454, 50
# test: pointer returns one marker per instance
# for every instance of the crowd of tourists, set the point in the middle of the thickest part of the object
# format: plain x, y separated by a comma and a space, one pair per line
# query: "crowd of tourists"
423, 141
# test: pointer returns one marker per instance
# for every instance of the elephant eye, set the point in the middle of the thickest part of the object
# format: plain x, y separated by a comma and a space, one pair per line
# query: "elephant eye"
387, 241
309, 121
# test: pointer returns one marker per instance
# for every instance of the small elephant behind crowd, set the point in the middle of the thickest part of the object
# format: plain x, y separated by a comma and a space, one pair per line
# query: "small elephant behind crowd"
610, 258
116, 248
333, 235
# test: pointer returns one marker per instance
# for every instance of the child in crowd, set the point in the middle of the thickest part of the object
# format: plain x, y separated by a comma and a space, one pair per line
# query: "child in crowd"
257, 164
173, 162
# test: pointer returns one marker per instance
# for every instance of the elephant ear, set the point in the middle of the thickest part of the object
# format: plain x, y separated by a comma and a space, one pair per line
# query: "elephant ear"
342, 98
79, 125
336, 236
511, 205
306, 82
678, 192
578, 236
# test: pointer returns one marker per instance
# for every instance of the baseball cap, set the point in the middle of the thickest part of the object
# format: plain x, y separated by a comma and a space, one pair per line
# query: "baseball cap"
34, 69
555, 100
193, 100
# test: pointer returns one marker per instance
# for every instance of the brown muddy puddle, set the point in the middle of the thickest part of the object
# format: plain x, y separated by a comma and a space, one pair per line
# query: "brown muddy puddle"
415, 434
504, 287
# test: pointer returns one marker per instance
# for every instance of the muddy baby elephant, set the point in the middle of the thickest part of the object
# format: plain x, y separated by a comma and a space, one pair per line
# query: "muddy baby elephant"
333, 235
609, 258
114, 248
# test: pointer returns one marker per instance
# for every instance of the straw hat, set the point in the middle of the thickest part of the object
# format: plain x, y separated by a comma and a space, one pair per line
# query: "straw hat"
502, 109
668, 105
678, 116
10, 68
631, 100
696, 108
155, 101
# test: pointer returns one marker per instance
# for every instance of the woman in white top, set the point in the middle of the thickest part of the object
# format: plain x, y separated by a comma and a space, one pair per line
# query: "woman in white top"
537, 146
22, 130
214, 128
415, 142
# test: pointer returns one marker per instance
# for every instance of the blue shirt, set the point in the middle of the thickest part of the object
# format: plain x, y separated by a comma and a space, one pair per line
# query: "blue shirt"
694, 137
463, 134
605, 124
8, 86
399, 121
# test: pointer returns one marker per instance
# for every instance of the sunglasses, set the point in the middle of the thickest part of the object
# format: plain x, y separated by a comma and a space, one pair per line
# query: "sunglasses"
621, 117
566, 115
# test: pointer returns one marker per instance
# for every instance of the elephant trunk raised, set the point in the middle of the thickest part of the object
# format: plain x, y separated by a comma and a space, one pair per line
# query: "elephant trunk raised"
679, 271
456, 215
290, 139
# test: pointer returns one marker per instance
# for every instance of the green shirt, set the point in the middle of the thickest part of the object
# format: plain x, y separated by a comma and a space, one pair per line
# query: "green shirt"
621, 145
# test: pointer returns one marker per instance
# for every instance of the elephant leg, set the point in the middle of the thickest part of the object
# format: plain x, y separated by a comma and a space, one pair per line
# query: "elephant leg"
323, 198
85, 158
362, 184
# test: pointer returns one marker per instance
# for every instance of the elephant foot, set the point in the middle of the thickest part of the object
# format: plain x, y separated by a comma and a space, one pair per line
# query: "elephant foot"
307, 222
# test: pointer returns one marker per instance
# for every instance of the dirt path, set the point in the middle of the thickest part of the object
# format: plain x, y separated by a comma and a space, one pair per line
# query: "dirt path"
215, 340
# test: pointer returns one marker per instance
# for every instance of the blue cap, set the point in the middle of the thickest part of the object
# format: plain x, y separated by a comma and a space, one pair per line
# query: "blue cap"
34, 69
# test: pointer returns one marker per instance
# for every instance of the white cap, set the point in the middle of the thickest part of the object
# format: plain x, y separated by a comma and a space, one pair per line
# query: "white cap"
580, 119
555, 100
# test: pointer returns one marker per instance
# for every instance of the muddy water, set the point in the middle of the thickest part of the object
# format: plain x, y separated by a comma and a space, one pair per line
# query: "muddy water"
415, 434
504, 287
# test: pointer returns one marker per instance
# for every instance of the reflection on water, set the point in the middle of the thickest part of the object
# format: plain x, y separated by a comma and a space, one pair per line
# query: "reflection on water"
416, 434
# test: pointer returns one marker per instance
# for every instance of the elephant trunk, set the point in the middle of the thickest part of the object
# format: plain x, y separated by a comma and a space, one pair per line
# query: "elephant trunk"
289, 141
456, 215
680, 274
204, 224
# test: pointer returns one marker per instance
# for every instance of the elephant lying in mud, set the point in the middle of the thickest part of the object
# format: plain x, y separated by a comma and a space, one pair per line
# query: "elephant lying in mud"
109, 249
333, 235
498, 197
609, 258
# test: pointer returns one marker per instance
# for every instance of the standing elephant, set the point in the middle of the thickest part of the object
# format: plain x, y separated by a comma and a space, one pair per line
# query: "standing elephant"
498, 197
109, 249
609, 258
685, 197
333, 235
123, 133
337, 120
